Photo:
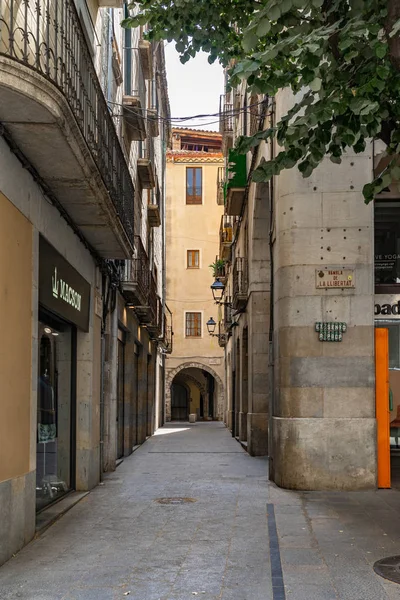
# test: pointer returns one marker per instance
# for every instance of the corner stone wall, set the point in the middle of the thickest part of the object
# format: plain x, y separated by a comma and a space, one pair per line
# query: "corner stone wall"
323, 419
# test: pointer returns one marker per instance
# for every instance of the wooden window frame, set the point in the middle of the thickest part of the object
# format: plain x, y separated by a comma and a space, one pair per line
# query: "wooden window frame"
195, 328
192, 253
194, 198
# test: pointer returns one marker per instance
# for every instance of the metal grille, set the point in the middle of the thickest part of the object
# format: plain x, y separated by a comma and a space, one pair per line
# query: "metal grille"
47, 37
240, 281
225, 116
137, 269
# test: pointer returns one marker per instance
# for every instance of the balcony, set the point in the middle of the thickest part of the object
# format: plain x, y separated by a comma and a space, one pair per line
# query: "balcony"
145, 165
137, 276
134, 112
225, 116
54, 113
240, 283
153, 208
167, 335
152, 123
146, 58
237, 183
150, 313
226, 237
221, 186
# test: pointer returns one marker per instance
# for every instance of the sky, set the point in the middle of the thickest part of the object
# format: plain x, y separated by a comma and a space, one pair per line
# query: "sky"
194, 88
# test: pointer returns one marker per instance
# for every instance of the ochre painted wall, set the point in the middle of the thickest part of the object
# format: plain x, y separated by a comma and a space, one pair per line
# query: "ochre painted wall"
16, 340
192, 227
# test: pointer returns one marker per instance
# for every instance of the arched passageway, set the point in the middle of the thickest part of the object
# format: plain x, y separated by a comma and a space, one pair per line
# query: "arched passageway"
194, 388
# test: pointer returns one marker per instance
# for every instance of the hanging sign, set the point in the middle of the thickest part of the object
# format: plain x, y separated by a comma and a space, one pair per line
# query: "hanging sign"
61, 288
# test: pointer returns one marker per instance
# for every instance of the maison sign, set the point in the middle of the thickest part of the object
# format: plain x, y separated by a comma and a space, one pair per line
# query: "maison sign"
334, 278
61, 288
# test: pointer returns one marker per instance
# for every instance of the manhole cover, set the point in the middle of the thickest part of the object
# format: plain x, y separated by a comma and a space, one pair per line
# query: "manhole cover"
389, 568
174, 500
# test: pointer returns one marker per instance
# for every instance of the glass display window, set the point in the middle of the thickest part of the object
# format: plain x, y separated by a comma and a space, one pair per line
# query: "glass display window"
387, 247
55, 423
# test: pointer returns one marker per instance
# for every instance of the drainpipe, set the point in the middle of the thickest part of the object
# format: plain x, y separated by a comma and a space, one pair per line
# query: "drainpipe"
271, 362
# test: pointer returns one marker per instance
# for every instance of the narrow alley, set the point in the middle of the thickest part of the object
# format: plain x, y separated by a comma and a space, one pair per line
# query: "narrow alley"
230, 538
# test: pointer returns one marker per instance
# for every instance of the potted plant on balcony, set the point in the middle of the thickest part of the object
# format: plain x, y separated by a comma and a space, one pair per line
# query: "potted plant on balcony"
218, 269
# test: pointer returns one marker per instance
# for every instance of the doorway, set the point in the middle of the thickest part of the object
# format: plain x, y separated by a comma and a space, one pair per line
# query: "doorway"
179, 403
120, 394
55, 444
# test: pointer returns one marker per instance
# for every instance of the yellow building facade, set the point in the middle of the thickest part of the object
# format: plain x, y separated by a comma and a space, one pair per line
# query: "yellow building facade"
195, 369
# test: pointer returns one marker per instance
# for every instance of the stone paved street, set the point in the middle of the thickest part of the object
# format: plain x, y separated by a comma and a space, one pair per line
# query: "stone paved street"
119, 542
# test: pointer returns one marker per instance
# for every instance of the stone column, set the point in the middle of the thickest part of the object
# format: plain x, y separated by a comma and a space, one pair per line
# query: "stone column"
258, 314
323, 420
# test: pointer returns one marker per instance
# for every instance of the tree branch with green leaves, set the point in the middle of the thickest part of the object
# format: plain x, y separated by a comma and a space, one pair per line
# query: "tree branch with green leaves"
340, 58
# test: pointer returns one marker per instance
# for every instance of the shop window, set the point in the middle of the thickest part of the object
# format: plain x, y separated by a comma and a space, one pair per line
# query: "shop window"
193, 259
387, 247
193, 324
55, 423
194, 185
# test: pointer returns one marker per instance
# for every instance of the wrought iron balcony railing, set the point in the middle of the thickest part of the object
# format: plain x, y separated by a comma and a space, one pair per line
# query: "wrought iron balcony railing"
167, 333
225, 116
221, 186
47, 37
240, 283
136, 278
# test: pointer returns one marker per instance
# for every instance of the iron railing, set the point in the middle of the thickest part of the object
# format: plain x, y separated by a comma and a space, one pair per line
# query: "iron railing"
221, 186
225, 115
137, 270
240, 281
47, 37
226, 229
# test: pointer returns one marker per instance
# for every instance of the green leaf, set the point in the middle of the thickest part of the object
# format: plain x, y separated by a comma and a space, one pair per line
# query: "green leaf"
264, 27
380, 50
250, 41
316, 84
369, 192
274, 13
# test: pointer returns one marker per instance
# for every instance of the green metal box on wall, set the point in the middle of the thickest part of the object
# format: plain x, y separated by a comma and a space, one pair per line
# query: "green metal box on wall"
237, 170
236, 183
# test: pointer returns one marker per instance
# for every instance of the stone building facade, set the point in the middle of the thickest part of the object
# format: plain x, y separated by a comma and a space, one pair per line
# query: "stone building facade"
308, 404
81, 229
194, 371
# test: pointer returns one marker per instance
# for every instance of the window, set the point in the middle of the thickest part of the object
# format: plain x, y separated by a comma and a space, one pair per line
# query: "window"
194, 185
193, 324
193, 259
387, 247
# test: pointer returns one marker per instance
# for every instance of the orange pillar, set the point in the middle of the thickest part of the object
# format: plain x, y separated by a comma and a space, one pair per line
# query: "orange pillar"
382, 406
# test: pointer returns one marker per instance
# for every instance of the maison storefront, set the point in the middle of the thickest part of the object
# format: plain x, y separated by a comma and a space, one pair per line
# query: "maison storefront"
64, 302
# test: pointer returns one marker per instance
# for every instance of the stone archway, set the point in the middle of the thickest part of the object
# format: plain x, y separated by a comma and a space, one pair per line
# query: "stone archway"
193, 365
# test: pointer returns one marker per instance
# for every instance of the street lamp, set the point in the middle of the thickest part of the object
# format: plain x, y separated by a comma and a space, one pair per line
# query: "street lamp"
217, 289
211, 325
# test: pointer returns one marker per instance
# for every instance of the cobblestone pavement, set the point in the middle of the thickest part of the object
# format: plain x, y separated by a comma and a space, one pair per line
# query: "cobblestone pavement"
241, 539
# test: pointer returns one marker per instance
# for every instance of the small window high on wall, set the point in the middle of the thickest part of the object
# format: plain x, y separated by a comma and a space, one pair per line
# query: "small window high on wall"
194, 185
193, 259
387, 247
